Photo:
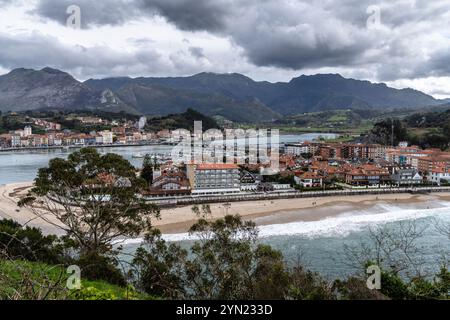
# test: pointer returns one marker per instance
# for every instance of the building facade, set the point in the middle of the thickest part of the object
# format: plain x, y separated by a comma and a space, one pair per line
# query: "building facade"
208, 179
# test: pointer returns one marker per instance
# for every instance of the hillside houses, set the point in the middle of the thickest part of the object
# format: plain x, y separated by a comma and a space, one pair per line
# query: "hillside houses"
25, 138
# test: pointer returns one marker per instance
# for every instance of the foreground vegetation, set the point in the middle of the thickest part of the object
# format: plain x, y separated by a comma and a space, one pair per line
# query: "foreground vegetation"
228, 262
24, 280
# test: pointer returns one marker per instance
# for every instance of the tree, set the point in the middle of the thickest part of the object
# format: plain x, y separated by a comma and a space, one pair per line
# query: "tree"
95, 200
308, 285
383, 130
307, 155
159, 267
401, 260
147, 169
392, 248
225, 263
29, 244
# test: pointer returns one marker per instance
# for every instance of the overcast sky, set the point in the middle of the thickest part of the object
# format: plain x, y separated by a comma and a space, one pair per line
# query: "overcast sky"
405, 43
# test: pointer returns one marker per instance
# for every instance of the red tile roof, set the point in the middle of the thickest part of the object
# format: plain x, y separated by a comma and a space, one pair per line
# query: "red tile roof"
310, 175
217, 166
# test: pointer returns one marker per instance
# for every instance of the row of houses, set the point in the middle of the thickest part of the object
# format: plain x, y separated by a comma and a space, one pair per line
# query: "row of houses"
213, 179
403, 155
118, 135
337, 150
16, 140
357, 176
208, 179
431, 164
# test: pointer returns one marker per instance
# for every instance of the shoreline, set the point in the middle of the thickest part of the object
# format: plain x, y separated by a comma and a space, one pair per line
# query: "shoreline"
178, 220
80, 147
263, 212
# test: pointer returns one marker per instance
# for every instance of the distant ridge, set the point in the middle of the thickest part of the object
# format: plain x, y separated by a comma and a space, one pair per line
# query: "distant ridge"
230, 96
303, 94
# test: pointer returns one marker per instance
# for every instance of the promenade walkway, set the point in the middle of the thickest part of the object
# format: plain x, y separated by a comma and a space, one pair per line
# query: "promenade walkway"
192, 200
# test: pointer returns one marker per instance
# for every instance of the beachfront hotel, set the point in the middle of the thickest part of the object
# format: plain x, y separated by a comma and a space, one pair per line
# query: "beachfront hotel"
209, 179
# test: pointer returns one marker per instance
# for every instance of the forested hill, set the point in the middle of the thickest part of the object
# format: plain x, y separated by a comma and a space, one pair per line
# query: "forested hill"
181, 121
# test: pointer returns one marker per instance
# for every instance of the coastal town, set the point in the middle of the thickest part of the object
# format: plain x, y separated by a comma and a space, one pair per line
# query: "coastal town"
303, 166
53, 135
225, 158
311, 166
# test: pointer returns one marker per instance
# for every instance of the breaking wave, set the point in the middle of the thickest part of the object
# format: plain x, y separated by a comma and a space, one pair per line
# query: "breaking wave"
341, 225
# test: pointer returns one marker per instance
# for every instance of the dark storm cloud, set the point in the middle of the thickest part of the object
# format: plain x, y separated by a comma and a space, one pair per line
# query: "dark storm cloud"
270, 32
185, 14
93, 13
191, 15
297, 34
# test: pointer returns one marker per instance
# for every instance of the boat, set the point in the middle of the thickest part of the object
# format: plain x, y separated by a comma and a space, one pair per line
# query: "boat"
138, 156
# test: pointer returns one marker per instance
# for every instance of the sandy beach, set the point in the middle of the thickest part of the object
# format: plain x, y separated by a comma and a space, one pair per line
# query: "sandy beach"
178, 220
9, 196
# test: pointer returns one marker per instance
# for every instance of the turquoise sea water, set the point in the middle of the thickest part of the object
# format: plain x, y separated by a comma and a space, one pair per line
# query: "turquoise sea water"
319, 245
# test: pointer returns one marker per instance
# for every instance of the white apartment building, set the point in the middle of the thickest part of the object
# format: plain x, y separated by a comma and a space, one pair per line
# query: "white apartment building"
438, 174
27, 131
214, 179
107, 137
300, 148
16, 140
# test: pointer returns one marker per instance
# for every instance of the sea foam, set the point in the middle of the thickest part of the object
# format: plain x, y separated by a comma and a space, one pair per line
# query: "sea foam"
341, 225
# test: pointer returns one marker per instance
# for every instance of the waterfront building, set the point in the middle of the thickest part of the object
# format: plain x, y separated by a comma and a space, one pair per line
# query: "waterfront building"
27, 131
5, 140
15, 140
406, 177
439, 174
107, 137
249, 181
309, 180
98, 139
298, 149
367, 175
213, 178
426, 164
170, 182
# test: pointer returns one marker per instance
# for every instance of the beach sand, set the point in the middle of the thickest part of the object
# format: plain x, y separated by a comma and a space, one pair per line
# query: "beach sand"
9, 196
179, 220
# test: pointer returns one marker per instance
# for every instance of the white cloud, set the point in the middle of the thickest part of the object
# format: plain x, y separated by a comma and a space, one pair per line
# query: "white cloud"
271, 40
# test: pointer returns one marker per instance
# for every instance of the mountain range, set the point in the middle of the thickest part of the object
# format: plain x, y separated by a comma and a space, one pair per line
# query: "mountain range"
230, 96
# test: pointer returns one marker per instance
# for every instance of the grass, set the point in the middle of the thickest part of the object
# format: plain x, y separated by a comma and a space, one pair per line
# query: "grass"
342, 139
338, 118
422, 131
352, 131
12, 274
